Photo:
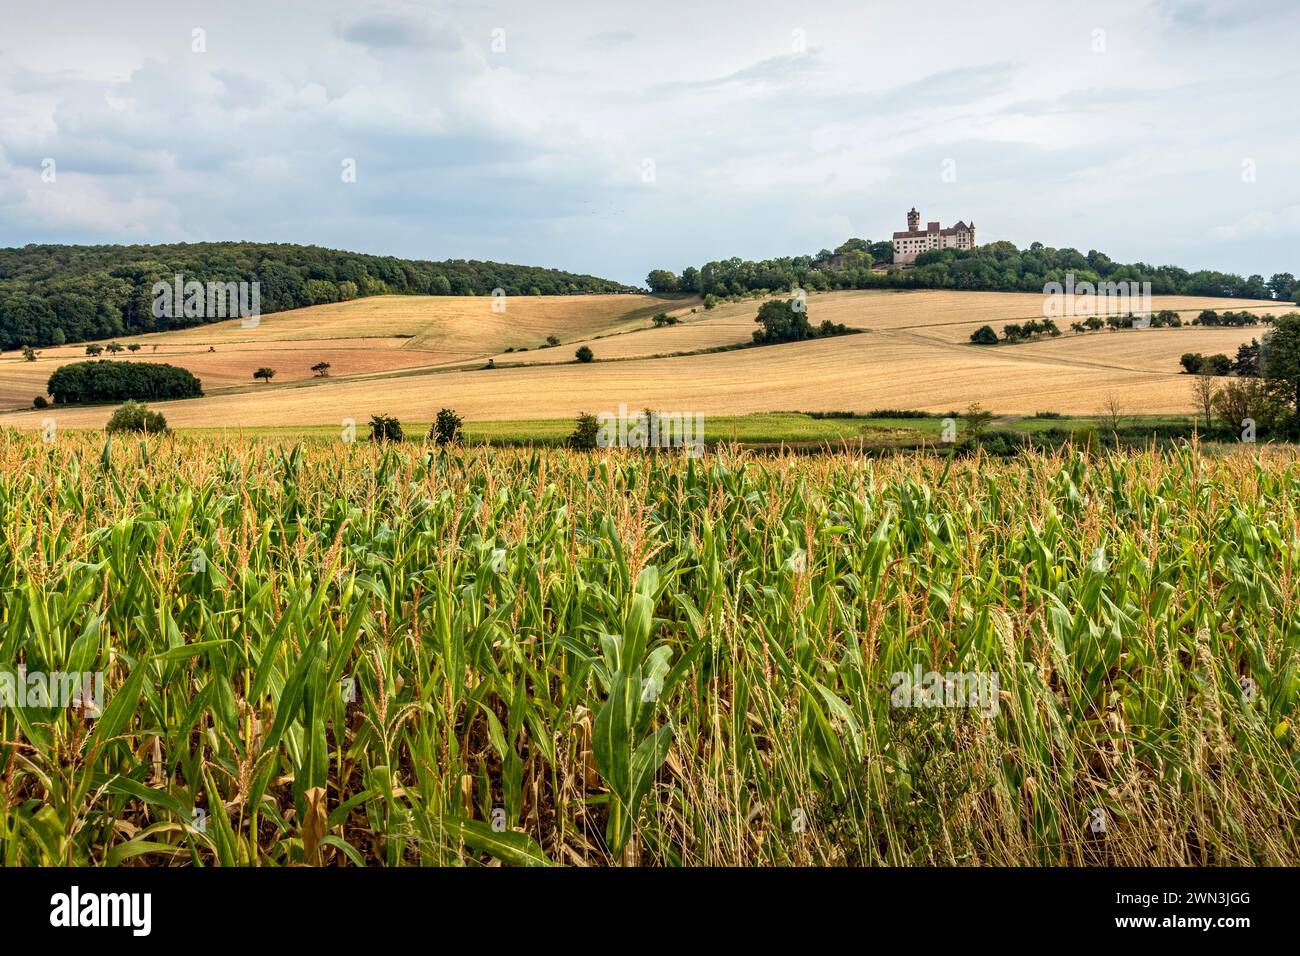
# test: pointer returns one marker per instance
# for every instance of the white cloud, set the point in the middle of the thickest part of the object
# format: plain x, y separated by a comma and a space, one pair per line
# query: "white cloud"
772, 129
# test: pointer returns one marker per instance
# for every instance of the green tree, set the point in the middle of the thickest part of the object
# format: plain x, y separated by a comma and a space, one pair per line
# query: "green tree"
446, 428
1247, 363
984, 335
107, 381
1279, 359
584, 354
584, 434
385, 428
265, 373
782, 320
661, 280
136, 417
977, 420
322, 369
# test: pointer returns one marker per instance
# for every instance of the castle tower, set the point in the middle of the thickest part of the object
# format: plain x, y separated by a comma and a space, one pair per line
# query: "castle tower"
913, 220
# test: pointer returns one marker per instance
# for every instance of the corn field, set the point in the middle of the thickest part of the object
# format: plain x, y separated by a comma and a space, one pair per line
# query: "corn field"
348, 654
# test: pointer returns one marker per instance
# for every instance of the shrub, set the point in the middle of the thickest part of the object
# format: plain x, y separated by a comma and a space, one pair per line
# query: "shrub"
829, 328
104, 380
1002, 444
584, 354
663, 318
40, 402
977, 419
552, 341
899, 413
385, 428
585, 430
984, 335
446, 428
137, 417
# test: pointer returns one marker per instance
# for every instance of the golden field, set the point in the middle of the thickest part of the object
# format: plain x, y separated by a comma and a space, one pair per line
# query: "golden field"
409, 356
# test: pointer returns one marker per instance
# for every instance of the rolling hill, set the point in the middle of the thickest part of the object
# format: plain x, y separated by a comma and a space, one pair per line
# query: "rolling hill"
408, 356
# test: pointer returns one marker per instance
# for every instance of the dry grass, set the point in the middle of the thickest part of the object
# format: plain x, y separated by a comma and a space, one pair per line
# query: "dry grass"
441, 323
917, 356
363, 337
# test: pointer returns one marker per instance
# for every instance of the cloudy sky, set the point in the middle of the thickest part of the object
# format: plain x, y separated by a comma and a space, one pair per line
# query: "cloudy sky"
613, 138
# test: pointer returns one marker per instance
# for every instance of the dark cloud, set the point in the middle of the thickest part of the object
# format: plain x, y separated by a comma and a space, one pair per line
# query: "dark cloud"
392, 31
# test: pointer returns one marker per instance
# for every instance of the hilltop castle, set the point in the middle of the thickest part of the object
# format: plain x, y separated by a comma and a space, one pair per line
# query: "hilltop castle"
910, 244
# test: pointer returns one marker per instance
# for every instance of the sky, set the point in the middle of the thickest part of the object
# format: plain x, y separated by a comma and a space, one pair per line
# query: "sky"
618, 137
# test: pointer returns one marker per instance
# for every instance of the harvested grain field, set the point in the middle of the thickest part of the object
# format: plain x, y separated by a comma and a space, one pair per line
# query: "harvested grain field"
915, 355
361, 337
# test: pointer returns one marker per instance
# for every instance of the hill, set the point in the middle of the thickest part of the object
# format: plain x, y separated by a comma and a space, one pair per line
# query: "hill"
58, 294
915, 355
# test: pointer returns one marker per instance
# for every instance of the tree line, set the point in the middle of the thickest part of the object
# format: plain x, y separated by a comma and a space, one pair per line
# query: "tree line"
55, 294
108, 381
995, 267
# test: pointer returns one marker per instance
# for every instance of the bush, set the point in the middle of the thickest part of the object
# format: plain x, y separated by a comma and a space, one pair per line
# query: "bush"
984, 335
900, 413
108, 381
40, 402
446, 428
1002, 444
1219, 364
828, 329
584, 354
385, 428
1046, 415
585, 430
136, 417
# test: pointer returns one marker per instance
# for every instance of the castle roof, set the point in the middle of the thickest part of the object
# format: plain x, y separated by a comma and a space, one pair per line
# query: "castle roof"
960, 228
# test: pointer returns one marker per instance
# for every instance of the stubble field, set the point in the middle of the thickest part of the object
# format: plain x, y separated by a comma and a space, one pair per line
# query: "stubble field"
913, 352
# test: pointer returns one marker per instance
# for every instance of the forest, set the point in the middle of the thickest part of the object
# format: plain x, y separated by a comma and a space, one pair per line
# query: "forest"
56, 294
